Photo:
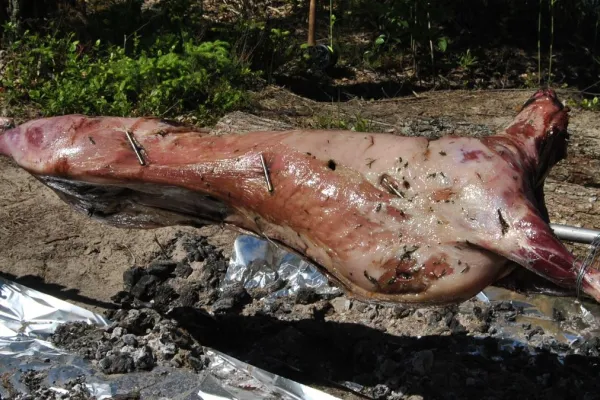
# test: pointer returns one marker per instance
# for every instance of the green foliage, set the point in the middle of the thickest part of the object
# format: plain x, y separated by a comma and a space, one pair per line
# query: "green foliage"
591, 104
171, 78
467, 60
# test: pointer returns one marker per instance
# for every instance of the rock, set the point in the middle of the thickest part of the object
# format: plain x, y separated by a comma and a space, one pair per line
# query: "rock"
127, 349
339, 304
162, 269
381, 391
306, 296
131, 276
198, 363
183, 270
233, 298
143, 358
188, 296
129, 339
145, 288
117, 332
164, 351
401, 311
139, 321
360, 306
117, 364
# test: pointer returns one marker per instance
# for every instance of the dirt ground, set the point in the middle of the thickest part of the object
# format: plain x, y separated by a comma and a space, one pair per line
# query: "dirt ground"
46, 245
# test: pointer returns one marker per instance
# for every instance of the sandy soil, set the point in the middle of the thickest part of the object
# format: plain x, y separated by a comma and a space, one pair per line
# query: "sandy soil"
46, 245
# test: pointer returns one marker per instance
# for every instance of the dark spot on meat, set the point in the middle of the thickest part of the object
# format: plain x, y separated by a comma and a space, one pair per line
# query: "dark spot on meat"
437, 266
478, 175
503, 224
459, 262
426, 154
35, 136
378, 208
62, 166
161, 133
465, 269
90, 211
236, 150
306, 211
406, 184
308, 154
400, 160
404, 275
432, 175
370, 162
442, 153
473, 155
395, 213
371, 279
442, 195
331, 165
408, 252
406, 164
372, 141
91, 140
516, 178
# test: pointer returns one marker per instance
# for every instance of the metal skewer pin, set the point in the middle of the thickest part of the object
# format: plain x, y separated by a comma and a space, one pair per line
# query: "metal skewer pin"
575, 234
135, 147
390, 187
266, 171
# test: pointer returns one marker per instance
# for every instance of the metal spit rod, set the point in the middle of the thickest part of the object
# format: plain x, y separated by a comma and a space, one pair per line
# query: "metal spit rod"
575, 234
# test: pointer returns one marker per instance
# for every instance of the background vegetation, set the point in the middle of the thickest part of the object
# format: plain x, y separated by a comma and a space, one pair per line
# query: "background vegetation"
202, 58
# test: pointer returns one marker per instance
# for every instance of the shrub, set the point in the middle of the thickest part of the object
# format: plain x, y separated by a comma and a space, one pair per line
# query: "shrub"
61, 76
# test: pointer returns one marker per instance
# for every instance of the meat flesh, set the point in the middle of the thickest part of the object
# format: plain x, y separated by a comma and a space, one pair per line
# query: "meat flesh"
389, 218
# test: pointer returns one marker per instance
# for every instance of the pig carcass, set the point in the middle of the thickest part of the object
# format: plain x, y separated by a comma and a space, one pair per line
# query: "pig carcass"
389, 218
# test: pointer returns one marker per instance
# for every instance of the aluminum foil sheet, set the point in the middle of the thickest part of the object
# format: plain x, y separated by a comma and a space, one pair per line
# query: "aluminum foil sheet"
231, 374
28, 318
260, 264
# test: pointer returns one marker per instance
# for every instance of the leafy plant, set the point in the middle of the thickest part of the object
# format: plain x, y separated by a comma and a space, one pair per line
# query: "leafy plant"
467, 60
591, 104
60, 76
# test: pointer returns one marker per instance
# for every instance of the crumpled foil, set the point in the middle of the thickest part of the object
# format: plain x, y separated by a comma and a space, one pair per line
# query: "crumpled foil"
28, 318
260, 264
231, 374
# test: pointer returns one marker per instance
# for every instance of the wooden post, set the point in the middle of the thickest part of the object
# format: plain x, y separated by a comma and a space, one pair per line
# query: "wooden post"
311, 22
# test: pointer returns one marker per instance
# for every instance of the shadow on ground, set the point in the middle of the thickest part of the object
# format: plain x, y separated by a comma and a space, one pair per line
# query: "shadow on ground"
457, 366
